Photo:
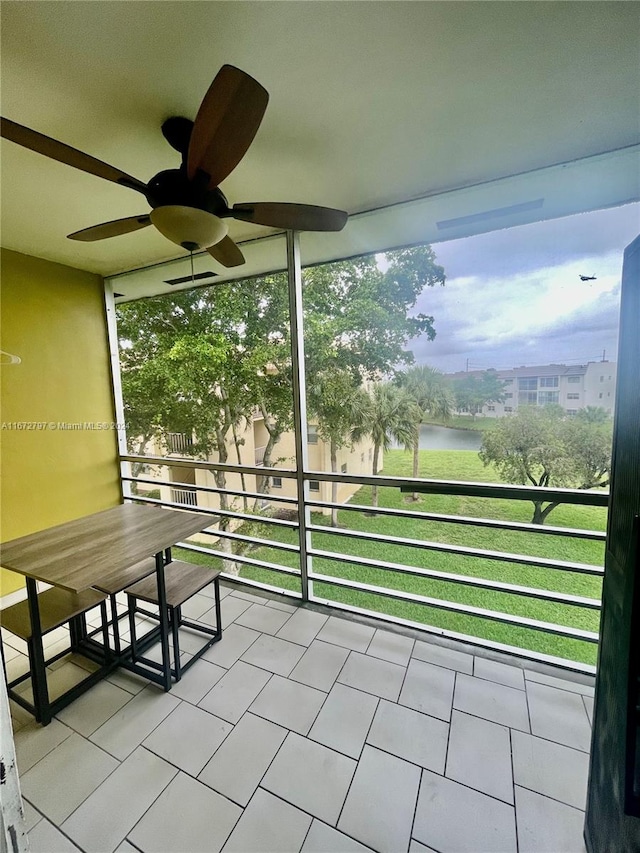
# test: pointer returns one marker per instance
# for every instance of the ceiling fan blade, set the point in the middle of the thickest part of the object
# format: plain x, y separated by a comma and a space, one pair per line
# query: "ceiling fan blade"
226, 253
294, 217
66, 154
111, 229
227, 121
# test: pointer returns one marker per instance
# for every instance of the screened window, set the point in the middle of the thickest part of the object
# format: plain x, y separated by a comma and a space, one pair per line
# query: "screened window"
528, 383
549, 382
545, 397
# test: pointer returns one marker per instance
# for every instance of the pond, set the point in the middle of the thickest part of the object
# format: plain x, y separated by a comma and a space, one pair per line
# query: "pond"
447, 438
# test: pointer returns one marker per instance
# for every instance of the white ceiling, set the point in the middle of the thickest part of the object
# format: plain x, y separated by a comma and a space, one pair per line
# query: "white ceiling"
372, 103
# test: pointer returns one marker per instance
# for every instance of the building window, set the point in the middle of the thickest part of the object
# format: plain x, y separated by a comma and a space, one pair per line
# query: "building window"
527, 398
508, 396
546, 397
276, 482
574, 379
508, 408
609, 378
549, 382
314, 485
573, 396
491, 408
312, 434
344, 468
508, 381
528, 383
600, 395
572, 412
602, 379
362, 458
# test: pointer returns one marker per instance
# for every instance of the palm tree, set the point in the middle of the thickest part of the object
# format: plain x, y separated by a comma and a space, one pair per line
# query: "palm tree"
427, 387
391, 415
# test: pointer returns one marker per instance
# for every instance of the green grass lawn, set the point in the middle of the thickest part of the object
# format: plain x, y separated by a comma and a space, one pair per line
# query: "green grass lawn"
452, 465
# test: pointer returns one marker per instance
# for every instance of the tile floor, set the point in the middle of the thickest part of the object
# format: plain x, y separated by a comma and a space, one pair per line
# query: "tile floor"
307, 732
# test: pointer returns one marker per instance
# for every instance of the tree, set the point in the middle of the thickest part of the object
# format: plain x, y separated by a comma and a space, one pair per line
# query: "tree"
428, 388
542, 446
474, 391
390, 413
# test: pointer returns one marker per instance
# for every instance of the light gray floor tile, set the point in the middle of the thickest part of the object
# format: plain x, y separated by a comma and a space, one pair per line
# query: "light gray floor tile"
342, 632
125, 847
273, 654
191, 641
303, 626
559, 716
588, 704
234, 643
320, 665
391, 647
378, 677
46, 838
104, 819
410, 735
94, 707
127, 728
495, 702
294, 706
231, 608
344, 720
311, 777
480, 756
196, 606
268, 825
43, 786
17, 666
550, 769
34, 741
560, 683
128, 681
416, 847
502, 673
248, 596
188, 737
442, 656
545, 826
235, 691
20, 717
325, 839
198, 681
187, 817
380, 804
429, 689
452, 817
31, 815
58, 681
240, 763
260, 618
280, 605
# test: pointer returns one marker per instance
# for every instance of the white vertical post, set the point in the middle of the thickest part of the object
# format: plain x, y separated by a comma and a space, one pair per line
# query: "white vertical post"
294, 275
116, 385
14, 838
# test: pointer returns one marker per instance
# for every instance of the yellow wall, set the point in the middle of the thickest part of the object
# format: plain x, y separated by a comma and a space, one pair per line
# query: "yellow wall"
53, 318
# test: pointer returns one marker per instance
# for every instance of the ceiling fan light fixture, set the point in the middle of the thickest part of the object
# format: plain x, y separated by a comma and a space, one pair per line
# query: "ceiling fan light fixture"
189, 227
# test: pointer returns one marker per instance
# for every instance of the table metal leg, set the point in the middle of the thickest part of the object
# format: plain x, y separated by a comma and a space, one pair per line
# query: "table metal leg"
38, 669
164, 622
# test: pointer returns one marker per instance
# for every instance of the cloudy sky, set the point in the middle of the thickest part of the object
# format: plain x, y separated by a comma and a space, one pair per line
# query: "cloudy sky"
514, 297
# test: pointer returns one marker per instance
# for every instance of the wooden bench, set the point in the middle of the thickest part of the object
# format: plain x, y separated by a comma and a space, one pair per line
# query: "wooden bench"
118, 582
182, 581
57, 607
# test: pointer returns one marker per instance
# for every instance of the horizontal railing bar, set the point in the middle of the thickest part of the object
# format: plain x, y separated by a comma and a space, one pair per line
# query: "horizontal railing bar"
278, 522
467, 609
525, 527
465, 580
205, 465
253, 540
279, 590
462, 550
406, 484
467, 639
239, 558
191, 487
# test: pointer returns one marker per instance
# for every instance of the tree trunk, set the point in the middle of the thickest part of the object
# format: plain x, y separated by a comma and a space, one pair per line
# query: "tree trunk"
224, 544
334, 486
237, 442
416, 460
540, 514
374, 488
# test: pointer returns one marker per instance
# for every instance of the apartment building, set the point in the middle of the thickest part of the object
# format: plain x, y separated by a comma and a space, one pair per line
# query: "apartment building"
571, 386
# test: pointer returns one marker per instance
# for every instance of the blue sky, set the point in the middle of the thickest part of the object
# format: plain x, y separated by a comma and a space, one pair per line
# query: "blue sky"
515, 297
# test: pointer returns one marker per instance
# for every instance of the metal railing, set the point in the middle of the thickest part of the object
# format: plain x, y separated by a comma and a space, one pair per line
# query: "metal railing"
314, 560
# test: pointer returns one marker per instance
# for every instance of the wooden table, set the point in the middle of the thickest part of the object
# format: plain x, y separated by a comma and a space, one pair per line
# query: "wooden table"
79, 554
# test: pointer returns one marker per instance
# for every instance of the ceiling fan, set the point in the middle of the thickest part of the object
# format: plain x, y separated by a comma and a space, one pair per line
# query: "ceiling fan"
187, 204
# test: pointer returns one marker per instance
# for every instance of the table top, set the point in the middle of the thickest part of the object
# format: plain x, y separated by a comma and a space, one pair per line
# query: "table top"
78, 554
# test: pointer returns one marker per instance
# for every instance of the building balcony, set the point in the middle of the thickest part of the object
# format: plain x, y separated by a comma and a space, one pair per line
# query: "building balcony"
309, 729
